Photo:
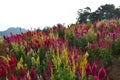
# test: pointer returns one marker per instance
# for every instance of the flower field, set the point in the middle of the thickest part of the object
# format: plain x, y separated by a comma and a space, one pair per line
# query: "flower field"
61, 53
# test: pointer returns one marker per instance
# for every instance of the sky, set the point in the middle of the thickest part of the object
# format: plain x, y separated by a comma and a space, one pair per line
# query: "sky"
40, 13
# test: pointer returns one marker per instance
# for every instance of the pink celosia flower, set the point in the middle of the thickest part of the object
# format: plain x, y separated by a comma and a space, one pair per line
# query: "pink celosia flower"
101, 73
46, 75
96, 78
12, 63
78, 71
88, 70
49, 66
94, 69
3, 68
12, 77
32, 74
22, 73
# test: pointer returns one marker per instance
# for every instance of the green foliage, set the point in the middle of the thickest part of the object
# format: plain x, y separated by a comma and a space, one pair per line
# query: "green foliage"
119, 59
116, 46
105, 55
81, 43
107, 11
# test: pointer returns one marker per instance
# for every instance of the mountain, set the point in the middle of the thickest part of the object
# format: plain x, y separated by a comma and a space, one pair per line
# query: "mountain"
12, 30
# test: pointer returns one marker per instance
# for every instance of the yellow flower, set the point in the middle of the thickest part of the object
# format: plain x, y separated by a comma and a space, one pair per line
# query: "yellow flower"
38, 60
33, 61
86, 55
4, 58
1, 40
83, 63
20, 63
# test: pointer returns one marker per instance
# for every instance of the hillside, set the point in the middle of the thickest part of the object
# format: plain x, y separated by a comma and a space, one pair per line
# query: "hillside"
12, 30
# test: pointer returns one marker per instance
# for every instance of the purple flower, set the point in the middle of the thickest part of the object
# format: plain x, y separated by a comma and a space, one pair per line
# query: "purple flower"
102, 73
88, 70
96, 78
94, 69
78, 71
32, 73
12, 77
49, 66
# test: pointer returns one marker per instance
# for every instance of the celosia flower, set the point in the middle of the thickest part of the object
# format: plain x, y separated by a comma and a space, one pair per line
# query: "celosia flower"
75, 57
26, 50
78, 71
22, 73
12, 77
101, 43
12, 63
3, 68
33, 61
49, 66
32, 74
89, 46
86, 55
20, 63
94, 69
96, 78
38, 60
101, 73
46, 75
88, 70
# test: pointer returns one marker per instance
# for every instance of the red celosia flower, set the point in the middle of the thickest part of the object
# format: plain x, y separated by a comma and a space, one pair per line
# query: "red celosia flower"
94, 69
101, 43
32, 73
12, 77
96, 78
46, 75
22, 73
70, 59
12, 63
101, 73
49, 65
3, 68
26, 50
76, 57
26, 78
89, 46
88, 70
78, 71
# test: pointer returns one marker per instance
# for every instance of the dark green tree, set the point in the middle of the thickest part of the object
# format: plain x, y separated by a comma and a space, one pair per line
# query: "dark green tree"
83, 14
107, 11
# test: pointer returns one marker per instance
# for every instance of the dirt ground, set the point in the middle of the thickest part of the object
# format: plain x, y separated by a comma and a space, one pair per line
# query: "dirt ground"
113, 70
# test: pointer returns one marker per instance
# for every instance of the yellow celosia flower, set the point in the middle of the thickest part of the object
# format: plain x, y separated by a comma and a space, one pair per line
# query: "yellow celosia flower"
33, 61
4, 58
38, 60
86, 55
20, 63
1, 40
83, 63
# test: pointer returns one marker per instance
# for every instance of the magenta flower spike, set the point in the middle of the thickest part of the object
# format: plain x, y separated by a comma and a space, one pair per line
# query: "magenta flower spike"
49, 66
78, 71
96, 78
101, 73
22, 73
88, 70
12, 77
94, 69
32, 73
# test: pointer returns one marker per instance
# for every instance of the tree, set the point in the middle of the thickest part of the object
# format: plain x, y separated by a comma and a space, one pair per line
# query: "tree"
83, 15
106, 11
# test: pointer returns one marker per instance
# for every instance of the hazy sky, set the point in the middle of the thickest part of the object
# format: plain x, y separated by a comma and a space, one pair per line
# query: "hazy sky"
40, 13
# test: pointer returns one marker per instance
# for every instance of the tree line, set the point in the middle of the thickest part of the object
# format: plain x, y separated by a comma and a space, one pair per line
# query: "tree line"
107, 11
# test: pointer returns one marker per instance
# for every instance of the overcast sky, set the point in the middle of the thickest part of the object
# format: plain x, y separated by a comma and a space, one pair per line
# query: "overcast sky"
40, 13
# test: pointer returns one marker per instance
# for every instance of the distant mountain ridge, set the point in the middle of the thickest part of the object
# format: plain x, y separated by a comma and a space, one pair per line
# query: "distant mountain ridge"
12, 30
